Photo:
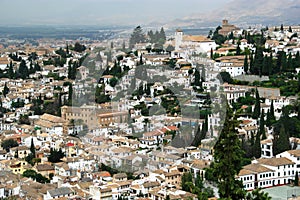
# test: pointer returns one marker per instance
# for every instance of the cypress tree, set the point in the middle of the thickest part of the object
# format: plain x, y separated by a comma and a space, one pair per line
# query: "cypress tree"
262, 126
238, 49
290, 65
228, 160
162, 35
251, 63
272, 112
67, 50
268, 121
5, 90
141, 60
252, 139
70, 94
32, 148
198, 137
281, 141
270, 65
246, 65
257, 146
258, 61
297, 59
283, 62
123, 46
265, 66
69, 71
256, 111
296, 181
23, 70
59, 104
11, 73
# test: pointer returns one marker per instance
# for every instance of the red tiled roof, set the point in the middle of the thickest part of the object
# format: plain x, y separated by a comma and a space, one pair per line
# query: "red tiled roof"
69, 144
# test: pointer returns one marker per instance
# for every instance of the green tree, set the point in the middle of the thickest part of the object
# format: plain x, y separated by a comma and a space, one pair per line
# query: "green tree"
238, 49
283, 62
256, 111
137, 36
271, 115
257, 146
100, 96
79, 47
281, 141
257, 194
113, 82
251, 69
265, 66
198, 137
11, 73
268, 121
5, 90
29, 159
272, 111
228, 157
186, 179
32, 147
225, 77
37, 67
9, 143
55, 155
258, 61
290, 64
231, 36
109, 56
170, 48
70, 95
296, 181
262, 130
246, 65
35, 176
141, 60
123, 46
23, 70
199, 182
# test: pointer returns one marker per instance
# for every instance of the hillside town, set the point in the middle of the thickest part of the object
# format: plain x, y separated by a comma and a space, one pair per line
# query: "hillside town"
149, 116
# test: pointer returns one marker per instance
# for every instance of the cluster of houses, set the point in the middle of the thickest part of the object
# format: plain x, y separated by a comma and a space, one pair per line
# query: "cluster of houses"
96, 138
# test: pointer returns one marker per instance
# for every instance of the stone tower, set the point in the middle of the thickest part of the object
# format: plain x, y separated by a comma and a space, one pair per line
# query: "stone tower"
178, 38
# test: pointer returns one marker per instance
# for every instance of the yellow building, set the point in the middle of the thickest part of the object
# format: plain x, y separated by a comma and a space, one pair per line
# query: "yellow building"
18, 167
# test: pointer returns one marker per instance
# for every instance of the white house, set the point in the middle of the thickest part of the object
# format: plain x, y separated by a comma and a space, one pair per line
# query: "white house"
267, 172
200, 43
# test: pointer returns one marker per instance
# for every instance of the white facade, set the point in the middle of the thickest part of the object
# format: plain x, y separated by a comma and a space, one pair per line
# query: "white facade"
266, 148
233, 70
269, 172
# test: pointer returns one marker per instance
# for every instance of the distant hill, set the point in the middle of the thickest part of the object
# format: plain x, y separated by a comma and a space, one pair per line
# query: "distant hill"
245, 12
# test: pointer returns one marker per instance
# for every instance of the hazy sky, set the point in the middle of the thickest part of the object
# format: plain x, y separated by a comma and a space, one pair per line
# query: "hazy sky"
99, 12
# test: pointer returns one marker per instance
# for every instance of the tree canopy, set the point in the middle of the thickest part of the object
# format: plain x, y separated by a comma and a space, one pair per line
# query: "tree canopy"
137, 36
